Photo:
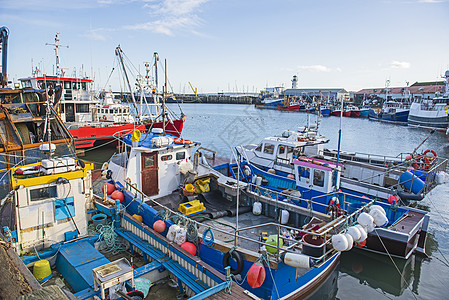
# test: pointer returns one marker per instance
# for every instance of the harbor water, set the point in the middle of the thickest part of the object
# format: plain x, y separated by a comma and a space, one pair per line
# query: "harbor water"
220, 127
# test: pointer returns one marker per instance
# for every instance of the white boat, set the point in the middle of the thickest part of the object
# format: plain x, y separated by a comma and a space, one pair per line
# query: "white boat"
431, 113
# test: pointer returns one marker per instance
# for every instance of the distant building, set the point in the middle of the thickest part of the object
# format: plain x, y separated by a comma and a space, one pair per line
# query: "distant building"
424, 90
323, 94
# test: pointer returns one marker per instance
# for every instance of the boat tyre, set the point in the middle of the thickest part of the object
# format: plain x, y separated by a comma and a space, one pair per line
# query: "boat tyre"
238, 258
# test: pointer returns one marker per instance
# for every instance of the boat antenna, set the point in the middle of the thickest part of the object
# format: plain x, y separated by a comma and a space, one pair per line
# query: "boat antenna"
339, 143
57, 46
164, 94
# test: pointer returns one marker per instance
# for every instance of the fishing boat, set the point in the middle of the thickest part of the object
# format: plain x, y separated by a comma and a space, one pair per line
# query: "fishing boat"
90, 119
226, 217
278, 152
431, 113
351, 111
392, 111
404, 228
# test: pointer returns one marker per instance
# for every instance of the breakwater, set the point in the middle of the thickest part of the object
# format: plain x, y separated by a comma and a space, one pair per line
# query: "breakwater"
191, 98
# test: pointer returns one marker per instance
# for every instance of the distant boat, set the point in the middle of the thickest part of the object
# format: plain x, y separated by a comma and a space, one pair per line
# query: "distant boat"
351, 111
364, 112
431, 113
391, 112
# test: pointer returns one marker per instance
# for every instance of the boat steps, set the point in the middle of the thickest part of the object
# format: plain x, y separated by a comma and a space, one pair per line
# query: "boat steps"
183, 275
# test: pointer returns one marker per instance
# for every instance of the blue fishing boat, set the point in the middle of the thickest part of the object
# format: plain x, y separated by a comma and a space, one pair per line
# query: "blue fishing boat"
318, 183
391, 112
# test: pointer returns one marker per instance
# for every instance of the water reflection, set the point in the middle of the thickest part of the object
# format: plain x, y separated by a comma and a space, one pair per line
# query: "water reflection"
392, 276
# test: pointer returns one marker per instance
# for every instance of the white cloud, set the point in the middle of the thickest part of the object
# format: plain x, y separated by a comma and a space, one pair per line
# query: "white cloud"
400, 65
94, 34
168, 16
315, 68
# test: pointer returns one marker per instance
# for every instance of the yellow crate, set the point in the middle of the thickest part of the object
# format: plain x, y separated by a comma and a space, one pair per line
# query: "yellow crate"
191, 208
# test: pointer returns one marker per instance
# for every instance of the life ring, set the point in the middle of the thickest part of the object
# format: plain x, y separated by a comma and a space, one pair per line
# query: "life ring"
238, 258
333, 208
182, 142
434, 154
104, 118
27, 170
303, 139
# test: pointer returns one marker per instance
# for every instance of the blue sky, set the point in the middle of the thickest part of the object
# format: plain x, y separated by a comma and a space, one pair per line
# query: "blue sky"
229, 45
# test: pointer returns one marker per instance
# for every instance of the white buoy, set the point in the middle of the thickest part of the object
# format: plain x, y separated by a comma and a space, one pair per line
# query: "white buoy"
350, 241
257, 208
370, 227
284, 216
181, 236
258, 180
253, 180
339, 242
363, 233
355, 233
365, 219
379, 218
297, 260
171, 234
379, 208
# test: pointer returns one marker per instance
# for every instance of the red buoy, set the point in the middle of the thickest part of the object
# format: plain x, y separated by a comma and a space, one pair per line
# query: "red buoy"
189, 247
256, 275
109, 187
159, 226
391, 199
361, 244
117, 195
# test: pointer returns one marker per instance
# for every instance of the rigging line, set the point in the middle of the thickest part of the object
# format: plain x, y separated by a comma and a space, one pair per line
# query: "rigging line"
397, 269
444, 262
441, 216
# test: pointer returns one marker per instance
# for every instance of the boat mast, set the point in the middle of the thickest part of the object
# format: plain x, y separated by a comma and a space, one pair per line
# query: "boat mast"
4, 32
163, 96
119, 53
57, 46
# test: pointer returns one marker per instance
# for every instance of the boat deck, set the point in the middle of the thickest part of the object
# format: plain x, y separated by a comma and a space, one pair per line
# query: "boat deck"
408, 222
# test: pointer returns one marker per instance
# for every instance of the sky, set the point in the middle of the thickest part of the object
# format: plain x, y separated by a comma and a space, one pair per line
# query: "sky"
235, 45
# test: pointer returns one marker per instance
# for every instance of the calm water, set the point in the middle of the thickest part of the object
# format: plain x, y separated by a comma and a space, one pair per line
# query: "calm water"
220, 127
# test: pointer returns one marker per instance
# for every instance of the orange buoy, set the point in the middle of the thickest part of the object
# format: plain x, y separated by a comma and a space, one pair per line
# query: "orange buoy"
256, 275
182, 142
117, 195
109, 187
159, 226
189, 247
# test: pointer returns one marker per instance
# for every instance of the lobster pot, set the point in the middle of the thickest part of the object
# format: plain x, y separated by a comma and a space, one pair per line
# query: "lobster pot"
411, 182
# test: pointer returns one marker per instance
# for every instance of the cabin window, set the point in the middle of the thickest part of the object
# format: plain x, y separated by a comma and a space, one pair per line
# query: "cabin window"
281, 149
269, 149
43, 193
83, 85
180, 155
304, 173
67, 85
167, 157
318, 178
259, 148
74, 86
82, 108
149, 161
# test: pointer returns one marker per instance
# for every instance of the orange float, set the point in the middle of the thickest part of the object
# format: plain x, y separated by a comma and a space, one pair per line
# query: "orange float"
256, 275
159, 226
117, 195
108, 187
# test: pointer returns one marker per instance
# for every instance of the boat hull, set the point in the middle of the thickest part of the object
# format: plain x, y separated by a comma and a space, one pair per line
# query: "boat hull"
89, 136
396, 118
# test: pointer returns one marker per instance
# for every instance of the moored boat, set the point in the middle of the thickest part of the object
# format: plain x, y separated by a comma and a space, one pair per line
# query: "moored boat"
431, 113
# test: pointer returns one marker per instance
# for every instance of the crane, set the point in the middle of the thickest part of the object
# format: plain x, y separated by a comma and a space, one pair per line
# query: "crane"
195, 90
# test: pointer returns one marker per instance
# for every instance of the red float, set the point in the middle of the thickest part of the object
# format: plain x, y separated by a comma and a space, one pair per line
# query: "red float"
159, 226
117, 195
391, 199
361, 244
189, 247
256, 275
109, 187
